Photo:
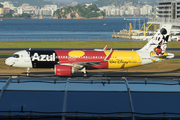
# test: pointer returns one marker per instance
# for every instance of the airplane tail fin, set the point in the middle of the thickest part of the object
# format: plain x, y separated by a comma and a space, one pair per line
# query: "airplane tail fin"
158, 42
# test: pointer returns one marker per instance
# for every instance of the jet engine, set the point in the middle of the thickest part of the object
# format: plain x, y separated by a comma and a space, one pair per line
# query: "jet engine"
63, 70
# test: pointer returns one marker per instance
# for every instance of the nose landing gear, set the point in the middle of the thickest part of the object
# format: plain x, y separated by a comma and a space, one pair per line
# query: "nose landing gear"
28, 71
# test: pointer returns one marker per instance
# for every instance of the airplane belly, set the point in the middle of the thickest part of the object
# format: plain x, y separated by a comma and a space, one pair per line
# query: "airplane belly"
124, 59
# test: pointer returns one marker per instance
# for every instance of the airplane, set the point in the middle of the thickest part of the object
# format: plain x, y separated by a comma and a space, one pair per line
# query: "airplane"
67, 62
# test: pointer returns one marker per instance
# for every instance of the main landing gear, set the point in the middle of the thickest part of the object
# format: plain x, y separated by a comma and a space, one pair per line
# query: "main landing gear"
84, 72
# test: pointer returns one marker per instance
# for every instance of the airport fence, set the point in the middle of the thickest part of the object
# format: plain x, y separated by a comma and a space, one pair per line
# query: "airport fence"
65, 39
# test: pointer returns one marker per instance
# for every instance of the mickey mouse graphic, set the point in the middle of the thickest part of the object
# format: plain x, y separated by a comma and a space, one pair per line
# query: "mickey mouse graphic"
160, 49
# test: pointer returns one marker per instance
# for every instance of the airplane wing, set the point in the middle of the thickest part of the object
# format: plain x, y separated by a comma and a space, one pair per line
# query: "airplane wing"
80, 65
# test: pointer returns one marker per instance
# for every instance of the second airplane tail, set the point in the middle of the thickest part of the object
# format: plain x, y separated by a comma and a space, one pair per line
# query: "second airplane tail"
158, 43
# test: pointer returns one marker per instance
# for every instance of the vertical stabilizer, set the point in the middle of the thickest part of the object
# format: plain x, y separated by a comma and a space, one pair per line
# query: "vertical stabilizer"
159, 41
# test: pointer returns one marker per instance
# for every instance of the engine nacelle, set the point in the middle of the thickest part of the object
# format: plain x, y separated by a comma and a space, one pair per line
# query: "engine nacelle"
63, 70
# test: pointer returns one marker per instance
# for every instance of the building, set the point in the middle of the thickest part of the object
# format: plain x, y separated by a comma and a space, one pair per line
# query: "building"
88, 4
6, 10
1, 11
146, 10
19, 10
25, 5
167, 11
8, 5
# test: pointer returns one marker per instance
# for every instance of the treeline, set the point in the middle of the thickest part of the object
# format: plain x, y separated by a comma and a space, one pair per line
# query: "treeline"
23, 16
82, 10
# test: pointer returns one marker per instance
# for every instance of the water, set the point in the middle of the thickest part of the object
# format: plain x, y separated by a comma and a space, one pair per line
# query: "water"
62, 29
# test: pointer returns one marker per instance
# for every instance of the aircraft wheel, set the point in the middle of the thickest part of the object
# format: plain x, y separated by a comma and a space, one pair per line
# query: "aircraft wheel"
85, 74
27, 74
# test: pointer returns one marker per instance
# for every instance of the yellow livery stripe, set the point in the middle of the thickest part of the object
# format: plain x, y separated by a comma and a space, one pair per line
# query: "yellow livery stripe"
123, 59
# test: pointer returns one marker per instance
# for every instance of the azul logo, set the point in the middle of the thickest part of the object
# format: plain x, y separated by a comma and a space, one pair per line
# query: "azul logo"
37, 57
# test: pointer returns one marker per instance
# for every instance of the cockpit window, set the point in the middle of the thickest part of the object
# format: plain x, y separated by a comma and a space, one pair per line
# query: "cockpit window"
15, 56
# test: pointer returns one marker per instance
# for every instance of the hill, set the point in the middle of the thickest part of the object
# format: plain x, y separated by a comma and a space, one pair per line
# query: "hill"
119, 3
79, 12
114, 2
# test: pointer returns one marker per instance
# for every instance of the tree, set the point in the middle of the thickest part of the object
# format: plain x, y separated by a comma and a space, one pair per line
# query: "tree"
103, 14
93, 7
82, 10
26, 15
73, 15
1, 6
8, 15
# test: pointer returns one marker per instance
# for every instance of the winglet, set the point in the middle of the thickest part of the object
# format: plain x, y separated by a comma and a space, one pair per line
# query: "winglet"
105, 48
109, 56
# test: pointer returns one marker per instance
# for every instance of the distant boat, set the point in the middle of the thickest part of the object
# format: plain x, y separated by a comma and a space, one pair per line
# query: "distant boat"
132, 19
104, 24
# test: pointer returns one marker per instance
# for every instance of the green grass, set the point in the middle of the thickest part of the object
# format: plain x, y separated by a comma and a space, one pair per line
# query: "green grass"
79, 44
176, 54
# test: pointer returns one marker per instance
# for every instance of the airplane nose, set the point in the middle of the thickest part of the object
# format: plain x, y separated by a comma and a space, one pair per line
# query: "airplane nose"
9, 62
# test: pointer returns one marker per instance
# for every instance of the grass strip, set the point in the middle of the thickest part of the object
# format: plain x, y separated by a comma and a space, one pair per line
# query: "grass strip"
78, 44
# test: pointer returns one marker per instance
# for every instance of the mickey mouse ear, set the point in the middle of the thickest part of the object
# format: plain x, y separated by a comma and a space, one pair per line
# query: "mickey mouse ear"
163, 31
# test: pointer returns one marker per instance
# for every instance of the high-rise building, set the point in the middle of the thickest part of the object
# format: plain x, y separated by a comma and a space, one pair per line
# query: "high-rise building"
146, 10
167, 11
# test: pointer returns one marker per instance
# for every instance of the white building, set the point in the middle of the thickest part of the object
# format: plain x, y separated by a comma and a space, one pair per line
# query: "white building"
131, 10
19, 10
52, 7
146, 10
88, 4
44, 11
7, 5
25, 5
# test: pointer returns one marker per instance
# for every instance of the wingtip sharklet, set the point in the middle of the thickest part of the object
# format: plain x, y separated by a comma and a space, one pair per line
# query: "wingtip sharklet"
105, 48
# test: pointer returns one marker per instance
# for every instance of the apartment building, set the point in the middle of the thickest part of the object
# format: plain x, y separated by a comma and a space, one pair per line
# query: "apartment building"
146, 10
167, 11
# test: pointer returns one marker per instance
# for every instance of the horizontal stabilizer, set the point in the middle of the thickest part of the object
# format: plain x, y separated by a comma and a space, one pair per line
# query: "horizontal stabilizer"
168, 56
